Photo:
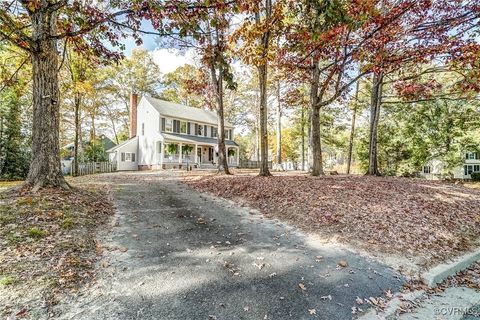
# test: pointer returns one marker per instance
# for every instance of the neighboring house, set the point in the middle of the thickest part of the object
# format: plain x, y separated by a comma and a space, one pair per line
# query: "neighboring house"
169, 135
435, 169
68, 156
106, 143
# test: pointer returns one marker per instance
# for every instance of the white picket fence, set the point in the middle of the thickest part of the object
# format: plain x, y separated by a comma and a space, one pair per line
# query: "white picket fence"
95, 167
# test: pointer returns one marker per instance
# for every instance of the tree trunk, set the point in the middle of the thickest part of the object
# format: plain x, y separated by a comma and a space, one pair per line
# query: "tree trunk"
45, 169
257, 141
303, 138
279, 130
77, 102
316, 161
2, 146
352, 129
222, 152
217, 83
376, 102
262, 79
114, 128
262, 76
93, 134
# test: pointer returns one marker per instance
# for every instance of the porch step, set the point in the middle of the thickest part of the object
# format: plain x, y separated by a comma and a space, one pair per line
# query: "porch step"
207, 166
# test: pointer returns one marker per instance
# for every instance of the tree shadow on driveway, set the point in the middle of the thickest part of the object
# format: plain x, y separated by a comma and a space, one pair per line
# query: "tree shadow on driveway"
177, 254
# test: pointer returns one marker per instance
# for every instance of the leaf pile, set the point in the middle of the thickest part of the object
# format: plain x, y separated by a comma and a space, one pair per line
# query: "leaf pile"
413, 218
468, 278
47, 245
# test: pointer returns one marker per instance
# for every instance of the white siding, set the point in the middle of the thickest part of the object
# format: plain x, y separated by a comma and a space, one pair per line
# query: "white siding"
149, 119
130, 147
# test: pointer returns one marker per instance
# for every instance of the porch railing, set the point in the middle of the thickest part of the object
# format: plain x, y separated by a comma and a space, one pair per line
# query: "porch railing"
175, 158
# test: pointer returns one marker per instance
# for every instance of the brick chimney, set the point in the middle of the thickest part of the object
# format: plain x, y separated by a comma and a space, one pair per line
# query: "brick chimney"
133, 114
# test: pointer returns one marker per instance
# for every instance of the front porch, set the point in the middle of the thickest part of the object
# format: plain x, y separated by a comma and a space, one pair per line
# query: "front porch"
172, 154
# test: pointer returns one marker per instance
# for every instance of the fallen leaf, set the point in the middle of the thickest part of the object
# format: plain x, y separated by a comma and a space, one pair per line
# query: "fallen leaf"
343, 264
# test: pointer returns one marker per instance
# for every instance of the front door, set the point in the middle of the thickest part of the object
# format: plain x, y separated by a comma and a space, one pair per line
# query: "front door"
199, 154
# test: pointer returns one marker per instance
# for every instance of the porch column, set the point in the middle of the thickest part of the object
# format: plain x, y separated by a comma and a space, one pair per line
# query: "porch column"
162, 153
196, 153
180, 153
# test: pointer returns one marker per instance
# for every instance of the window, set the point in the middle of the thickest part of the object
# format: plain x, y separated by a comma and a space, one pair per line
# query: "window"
143, 129
471, 156
214, 132
168, 125
183, 127
427, 169
476, 168
128, 157
468, 170
199, 130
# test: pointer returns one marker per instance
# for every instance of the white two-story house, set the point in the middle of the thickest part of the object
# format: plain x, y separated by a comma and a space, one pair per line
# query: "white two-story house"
435, 169
169, 135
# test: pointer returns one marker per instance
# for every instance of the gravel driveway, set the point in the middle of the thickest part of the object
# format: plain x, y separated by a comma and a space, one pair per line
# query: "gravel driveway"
174, 253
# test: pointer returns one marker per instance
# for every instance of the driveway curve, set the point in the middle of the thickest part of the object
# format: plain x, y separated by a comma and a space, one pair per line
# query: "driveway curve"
174, 253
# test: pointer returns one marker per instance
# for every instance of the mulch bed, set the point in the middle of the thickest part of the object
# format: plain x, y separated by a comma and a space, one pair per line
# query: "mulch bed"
47, 245
412, 218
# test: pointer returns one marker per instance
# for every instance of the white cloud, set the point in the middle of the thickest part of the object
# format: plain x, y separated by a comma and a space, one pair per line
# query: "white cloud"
170, 59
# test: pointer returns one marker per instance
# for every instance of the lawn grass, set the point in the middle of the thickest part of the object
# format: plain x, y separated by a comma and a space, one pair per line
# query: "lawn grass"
4, 185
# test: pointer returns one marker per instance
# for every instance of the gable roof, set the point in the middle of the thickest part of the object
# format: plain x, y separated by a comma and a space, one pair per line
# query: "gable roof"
175, 110
124, 143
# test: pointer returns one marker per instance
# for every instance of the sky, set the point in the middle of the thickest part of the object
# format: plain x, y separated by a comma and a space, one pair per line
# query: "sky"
167, 59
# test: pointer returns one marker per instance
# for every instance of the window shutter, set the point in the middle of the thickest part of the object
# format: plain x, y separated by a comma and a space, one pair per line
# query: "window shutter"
188, 127
123, 156
205, 130
133, 157
196, 129
163, 124
211, 131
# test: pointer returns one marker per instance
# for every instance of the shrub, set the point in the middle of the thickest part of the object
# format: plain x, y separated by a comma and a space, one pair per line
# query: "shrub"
7, 281
67, 223
475, 176
36, 233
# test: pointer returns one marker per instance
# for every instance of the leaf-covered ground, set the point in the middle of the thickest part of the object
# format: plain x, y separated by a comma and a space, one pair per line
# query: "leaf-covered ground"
421, 220
47, 246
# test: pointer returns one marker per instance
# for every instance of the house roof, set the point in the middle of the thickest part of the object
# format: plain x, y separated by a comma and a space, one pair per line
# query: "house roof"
175, 110
124, 143
106, 142
195, 139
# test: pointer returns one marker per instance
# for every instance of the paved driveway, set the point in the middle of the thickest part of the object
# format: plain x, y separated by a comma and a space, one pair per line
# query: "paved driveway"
177, 254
